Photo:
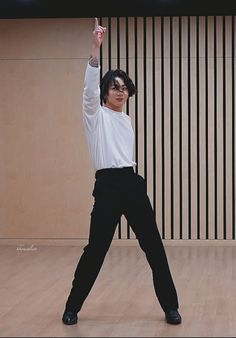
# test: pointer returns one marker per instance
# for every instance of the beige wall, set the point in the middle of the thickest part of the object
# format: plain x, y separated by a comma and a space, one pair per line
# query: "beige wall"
46, 177
45, 173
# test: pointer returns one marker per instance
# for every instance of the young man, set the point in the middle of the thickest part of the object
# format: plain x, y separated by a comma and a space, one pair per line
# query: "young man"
118, 189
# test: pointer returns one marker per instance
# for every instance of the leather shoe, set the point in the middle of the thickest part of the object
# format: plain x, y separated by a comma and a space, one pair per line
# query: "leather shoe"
69, 317
173, 317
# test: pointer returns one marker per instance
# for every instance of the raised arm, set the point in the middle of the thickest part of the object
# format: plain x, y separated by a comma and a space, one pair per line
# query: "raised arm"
98, 36
91, 94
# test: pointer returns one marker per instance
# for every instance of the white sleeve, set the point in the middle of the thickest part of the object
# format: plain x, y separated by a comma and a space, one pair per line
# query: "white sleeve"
91, 98
91, 93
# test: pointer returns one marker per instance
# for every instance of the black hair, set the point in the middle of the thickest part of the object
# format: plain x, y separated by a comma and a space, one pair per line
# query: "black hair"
109, 78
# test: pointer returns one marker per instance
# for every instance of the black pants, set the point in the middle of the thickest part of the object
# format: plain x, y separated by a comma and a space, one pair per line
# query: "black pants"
121, 191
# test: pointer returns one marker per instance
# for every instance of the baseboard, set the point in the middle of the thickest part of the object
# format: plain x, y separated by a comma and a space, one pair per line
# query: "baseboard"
20, 242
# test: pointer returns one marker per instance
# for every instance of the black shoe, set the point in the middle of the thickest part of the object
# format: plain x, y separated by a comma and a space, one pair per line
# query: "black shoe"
173, 317
69, 317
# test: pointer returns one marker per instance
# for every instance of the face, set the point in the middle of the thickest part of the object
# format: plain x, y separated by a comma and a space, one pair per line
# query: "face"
117, 95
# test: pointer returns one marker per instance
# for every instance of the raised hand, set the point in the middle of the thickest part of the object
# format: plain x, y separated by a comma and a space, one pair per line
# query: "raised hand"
98, 34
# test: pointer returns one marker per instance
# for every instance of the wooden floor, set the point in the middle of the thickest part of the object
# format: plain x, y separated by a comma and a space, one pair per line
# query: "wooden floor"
35, 281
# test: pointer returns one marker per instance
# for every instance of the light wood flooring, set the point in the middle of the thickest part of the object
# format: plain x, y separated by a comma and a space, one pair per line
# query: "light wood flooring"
35, 281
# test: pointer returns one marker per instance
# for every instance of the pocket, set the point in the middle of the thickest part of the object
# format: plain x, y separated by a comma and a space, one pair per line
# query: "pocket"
94, 189
141, 182
140, 179
98, 186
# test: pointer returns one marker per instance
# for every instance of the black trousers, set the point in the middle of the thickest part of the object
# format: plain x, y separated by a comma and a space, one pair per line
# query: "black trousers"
121, 191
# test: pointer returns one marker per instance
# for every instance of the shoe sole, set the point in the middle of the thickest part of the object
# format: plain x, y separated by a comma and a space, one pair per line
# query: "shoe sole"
72, 323
174, 323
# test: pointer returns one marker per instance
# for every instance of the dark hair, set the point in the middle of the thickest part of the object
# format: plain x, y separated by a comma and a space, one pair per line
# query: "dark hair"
109, 78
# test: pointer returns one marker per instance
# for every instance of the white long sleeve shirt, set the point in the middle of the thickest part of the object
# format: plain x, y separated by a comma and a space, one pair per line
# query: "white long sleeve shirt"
109, 133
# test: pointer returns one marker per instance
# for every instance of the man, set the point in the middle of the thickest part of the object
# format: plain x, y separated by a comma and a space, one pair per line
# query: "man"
118, 189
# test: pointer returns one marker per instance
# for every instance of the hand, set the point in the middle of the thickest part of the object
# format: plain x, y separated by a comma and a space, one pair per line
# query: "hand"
98, 34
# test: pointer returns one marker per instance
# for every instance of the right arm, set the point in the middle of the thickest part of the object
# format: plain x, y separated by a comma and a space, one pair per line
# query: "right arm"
91, 93
98, 36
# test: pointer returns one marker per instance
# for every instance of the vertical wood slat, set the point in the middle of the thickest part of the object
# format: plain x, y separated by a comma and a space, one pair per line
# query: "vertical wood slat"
206, 128
183, 116
154, 113
215, 130
233, 124
180, 133
163, 129
198, 130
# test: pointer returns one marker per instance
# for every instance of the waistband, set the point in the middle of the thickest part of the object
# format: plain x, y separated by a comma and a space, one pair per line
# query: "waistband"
114, 171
